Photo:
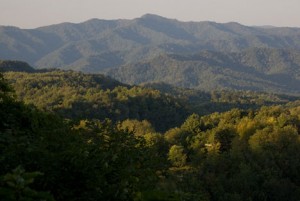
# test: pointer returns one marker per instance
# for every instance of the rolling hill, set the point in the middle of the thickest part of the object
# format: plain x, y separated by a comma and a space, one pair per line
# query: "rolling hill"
257, 69
76, 95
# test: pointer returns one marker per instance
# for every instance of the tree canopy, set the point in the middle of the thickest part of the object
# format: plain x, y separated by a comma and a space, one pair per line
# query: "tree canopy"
236, 155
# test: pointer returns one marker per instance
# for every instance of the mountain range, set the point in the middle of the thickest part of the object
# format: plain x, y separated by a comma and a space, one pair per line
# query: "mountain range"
204, 55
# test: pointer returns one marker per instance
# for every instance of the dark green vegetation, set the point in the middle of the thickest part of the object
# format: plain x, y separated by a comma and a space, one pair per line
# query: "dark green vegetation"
256, 69
44, 158
75, 95
203, 103
237, 155
15, 66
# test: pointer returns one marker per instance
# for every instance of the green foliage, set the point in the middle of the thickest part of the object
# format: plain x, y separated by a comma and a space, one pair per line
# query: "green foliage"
224, 136
231, 156
5, 90
92, 161
121, 160
15, 186
76, 95
139, 128
175, 136
239, 155
177, 156
203, 102
255, 69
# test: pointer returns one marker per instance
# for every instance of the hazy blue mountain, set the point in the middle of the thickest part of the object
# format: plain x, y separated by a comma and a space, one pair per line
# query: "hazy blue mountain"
95, 45
259, 69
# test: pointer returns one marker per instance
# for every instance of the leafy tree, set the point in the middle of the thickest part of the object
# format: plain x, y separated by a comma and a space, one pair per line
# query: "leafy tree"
175, 136
139, 128
177, 156
225, 136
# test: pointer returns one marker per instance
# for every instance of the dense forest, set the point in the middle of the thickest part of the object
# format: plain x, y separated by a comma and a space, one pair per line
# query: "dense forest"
255, 69
71, 136
75, 95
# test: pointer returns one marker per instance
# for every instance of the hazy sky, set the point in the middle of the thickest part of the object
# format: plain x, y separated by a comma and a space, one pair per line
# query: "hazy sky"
35, 13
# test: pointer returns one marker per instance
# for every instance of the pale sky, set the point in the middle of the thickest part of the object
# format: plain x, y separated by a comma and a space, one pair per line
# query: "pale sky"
36, 13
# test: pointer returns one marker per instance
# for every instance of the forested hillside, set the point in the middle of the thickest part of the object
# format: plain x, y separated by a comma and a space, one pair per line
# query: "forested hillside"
255, 69
203, 102
15, 66
44, 157
75, 95
232, 156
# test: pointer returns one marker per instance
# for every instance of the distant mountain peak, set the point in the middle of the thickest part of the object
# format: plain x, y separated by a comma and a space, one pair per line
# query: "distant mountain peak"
152, 16
233, 24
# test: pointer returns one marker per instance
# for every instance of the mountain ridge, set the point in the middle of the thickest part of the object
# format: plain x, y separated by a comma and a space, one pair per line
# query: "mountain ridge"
256, 69
96, 44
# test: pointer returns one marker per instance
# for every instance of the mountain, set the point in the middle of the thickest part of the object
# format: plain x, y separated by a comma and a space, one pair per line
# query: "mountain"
258, 69
95, 45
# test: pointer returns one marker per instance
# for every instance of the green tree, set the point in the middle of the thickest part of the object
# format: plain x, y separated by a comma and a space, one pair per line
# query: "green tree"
139, 128
177, 156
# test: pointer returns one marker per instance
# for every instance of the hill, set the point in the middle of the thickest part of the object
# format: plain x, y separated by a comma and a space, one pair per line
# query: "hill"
16, 66
256, 69
74, 95
96, 44
236, 155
